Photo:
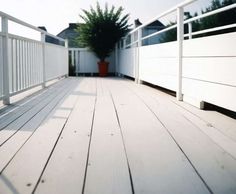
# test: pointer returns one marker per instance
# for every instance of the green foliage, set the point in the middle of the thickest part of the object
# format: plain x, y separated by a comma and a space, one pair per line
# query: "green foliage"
220, 19
103, 29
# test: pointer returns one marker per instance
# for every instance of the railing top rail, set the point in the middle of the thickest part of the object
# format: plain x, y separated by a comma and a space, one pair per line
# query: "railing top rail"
183, 4
9, 17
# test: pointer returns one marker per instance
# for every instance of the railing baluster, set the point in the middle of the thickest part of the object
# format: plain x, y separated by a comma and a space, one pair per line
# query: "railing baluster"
137, 78
190, 30
6, 92
43, 39
10, 65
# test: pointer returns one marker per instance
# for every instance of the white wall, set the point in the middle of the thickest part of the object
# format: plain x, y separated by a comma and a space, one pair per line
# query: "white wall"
126, 60
56, 61
158, 65
209, 68
86, 62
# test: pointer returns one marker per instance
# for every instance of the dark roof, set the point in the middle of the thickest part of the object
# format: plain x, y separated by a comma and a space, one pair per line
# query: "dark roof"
71, 34
50, 39
156, 23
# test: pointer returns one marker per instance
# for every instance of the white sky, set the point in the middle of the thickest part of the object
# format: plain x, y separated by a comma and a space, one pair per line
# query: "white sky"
56, 14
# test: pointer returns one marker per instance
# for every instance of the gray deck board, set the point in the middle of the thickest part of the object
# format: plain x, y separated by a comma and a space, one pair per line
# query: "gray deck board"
10, 148
157, 164
107, 170
72, 148
110, 135
211, 156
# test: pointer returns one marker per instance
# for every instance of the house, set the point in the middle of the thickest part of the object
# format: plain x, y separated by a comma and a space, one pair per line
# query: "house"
71, 34
149, 29
50, 39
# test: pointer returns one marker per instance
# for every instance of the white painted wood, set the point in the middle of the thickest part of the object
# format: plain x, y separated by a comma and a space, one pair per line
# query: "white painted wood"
158, 65
67, 176
157, 164
27, 62
24, 62
218, 46
126, 62
56, 61
24, 170
2, 14
5, 55
43, 40
202, 69
136, 56
86, 62
221, 95
214, 164
180, 32
107, 166
190, 29
10, 148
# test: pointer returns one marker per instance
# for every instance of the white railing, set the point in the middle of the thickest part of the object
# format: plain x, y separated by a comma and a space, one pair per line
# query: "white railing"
26, 63
198, 69
134, 41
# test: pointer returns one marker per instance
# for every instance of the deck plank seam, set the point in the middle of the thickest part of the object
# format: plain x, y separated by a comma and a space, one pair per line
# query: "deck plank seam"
124, 147
90, 141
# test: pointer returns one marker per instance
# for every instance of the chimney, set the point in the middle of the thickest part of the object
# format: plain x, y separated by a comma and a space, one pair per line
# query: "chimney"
137, 23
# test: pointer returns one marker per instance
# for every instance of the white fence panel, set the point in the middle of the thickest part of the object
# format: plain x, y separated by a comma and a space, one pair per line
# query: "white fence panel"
25, 64
85, 61
158, 65
56, 61
209, 67
127, 60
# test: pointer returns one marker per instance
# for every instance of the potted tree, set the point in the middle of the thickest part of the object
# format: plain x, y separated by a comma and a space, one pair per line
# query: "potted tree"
101, 31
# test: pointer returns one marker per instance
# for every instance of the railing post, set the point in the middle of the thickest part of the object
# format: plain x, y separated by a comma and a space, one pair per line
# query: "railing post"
137, 62
124, 43
67, 47
66, 43
116, 60
6, 92
43, 40
180, 32
190, 30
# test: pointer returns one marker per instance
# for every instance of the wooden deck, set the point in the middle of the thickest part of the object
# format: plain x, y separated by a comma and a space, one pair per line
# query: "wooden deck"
111, 136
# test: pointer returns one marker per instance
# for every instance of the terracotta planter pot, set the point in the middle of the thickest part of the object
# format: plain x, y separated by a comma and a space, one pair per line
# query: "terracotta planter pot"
103, 68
